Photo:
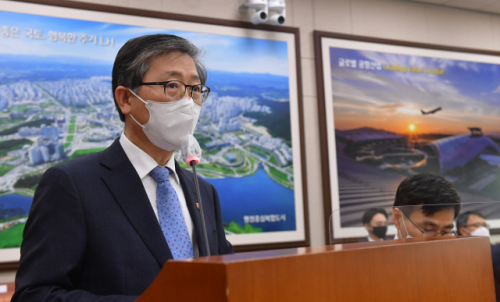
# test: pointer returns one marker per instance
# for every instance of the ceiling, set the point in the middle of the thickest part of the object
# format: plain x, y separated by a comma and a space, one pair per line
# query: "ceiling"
490, 6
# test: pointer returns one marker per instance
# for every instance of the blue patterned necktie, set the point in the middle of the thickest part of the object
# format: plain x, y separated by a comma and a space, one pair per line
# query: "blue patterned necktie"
172, 221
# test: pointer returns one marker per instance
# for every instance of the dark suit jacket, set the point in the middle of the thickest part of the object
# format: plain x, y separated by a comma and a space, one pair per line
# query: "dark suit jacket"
365, 239
495, 256
92, 234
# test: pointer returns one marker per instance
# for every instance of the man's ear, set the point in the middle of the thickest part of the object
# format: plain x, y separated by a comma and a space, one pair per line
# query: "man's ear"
396, 217
367, 227
122, 96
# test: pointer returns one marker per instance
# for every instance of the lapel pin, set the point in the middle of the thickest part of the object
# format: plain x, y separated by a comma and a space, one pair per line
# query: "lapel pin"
198, 206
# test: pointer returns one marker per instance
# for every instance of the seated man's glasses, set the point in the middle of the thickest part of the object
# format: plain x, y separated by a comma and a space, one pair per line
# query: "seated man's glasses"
176, 90
429, 233
477, 225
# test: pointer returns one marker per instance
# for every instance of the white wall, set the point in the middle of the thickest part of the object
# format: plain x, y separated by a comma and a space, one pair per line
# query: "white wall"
391, 19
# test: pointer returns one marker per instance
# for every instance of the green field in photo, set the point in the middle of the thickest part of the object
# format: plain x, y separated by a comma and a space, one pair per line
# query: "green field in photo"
12, 237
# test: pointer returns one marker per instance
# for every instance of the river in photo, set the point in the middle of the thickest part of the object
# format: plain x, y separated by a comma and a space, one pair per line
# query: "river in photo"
255, 195
12, 201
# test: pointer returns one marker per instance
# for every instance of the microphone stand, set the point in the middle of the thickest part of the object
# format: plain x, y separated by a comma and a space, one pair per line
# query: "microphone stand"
203, 225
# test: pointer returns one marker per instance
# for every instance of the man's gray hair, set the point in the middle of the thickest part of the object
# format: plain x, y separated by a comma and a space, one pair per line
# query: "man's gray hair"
132, 60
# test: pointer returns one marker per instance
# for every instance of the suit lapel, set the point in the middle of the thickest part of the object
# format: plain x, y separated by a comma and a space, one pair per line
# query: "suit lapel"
128, 190
189, 189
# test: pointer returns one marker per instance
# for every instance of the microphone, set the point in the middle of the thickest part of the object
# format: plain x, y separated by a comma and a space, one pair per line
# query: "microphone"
191, 154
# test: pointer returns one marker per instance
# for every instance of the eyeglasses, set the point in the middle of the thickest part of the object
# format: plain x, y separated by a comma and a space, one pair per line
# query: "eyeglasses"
477, 225
430, 233
175, 90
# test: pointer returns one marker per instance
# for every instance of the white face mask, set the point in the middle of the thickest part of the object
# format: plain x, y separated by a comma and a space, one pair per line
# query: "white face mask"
169, 122
408, 236
481, 231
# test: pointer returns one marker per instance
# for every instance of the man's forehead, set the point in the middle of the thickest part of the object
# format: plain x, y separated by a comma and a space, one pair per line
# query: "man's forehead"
176, 73
474, 218
378, 216
438, 222
443, 217
174, 64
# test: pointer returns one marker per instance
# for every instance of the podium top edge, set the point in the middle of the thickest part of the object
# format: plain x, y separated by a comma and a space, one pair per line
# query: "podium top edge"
302, 251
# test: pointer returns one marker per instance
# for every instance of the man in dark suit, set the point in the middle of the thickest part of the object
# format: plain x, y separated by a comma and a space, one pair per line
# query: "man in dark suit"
473, 223
495, 256
101, 227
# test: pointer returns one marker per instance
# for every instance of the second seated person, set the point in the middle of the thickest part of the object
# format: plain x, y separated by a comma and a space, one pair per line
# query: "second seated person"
425, 205
102, 226
472, 223
375, 222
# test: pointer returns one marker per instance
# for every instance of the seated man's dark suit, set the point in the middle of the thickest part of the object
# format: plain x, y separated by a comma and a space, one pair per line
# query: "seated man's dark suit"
495, 256
92, 234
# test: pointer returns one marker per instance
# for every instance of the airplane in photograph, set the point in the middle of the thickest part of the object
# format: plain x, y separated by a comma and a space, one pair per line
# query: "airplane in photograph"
432, 111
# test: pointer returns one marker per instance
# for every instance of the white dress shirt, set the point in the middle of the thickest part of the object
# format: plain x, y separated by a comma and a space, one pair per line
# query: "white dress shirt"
143, 164
370, 239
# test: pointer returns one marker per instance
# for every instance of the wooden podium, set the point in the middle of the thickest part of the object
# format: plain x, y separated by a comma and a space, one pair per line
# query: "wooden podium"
423, 269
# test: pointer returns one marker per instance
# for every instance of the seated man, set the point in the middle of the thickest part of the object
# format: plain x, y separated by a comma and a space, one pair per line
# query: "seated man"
472, 223
425, 205
375, 222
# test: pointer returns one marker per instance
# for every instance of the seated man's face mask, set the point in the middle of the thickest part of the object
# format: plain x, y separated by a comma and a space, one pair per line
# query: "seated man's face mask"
480, 231
169, 122
379, 231
408, 236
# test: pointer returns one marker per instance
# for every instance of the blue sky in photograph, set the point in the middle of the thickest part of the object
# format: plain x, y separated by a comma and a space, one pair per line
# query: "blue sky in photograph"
225, 53
391, 96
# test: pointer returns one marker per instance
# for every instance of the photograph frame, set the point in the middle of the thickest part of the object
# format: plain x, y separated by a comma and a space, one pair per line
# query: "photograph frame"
298, 123
329, 176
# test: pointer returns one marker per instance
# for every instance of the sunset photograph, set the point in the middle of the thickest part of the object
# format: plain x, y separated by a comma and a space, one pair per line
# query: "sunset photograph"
399, 115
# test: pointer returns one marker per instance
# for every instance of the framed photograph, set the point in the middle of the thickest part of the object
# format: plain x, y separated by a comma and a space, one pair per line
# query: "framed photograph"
392, 109
56, 104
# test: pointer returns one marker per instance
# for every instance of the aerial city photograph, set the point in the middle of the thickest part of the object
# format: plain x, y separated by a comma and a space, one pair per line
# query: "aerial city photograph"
56, 104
